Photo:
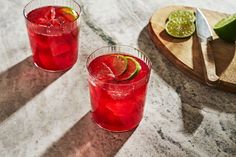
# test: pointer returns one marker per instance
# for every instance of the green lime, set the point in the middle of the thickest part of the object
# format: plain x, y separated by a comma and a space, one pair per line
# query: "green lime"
180, 29
133, 67
117, 64
69, 13
103, 72
226, 28
183, 15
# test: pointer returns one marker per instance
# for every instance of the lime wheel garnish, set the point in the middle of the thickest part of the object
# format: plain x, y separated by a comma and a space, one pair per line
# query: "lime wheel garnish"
116, 67
133, 67
103, 72
69, 13
117, 64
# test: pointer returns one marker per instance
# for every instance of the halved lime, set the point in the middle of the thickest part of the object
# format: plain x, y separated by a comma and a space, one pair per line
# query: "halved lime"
117, 64
182, 15
226, 28
69, 13
132, 69
180, 29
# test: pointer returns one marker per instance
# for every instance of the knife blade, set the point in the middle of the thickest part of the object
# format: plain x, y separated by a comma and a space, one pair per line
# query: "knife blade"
205, 36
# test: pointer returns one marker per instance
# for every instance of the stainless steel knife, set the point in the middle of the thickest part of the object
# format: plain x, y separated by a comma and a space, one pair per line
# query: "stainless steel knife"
205, 36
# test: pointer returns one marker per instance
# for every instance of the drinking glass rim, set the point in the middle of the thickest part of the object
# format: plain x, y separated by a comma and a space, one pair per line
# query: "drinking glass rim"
122, 84
79, 13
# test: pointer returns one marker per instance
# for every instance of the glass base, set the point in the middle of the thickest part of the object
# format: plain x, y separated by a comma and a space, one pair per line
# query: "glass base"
116, 131
54, 71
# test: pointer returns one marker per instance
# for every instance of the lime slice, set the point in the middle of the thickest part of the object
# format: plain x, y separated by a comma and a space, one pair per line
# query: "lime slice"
132, 69
117, 64
180, 29
69, 13
182, 15
103, 72
226, 28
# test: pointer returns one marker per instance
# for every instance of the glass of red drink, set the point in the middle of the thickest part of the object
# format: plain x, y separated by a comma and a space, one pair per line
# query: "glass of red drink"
53, 30
118, 79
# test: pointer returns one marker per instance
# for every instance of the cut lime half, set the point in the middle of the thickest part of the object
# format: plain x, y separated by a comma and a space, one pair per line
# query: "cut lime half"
182, 15
180, 29
226, 28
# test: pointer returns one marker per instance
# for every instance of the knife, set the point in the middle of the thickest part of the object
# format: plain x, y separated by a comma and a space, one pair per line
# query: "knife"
205, 36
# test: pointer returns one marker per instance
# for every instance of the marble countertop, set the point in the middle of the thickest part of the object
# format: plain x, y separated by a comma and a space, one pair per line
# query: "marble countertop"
47, 114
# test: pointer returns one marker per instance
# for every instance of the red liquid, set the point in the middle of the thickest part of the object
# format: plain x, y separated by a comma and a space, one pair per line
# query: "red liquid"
117, 106
53, 37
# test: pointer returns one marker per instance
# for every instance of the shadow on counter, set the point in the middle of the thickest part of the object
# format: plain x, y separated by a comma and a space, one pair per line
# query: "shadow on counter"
85, 138
193, 94
21, 83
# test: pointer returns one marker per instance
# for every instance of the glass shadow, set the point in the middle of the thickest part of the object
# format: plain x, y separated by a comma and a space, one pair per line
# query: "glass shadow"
85, 138
21, 83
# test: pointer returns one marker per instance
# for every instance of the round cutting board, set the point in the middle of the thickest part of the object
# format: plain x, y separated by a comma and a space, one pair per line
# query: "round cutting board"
185, 54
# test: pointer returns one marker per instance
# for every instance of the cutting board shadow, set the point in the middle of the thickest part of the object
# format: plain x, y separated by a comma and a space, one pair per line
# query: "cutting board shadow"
185, 54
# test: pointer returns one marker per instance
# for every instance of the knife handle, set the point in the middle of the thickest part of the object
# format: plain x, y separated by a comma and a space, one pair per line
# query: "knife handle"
209, 64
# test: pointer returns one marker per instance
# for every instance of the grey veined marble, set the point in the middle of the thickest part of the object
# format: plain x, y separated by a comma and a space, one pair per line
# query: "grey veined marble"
47, 114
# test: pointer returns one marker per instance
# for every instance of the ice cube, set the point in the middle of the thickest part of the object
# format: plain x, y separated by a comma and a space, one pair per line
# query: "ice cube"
121, 108
118, 92
53, 13
59, 47
40, 40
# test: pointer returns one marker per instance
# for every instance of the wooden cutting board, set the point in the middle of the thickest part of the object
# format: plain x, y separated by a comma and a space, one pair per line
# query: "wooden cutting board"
185, 54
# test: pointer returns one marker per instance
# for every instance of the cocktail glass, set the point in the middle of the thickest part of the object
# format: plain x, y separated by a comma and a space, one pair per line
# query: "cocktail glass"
53, 30
117, 105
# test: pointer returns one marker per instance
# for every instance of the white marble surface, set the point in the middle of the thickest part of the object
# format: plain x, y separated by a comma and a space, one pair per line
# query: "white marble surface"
47, 114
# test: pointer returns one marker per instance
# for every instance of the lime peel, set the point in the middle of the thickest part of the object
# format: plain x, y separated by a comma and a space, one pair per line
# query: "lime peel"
132, 70
225, 28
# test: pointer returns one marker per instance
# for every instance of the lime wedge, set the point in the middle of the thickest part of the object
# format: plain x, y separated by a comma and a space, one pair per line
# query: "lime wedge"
183, 15
132, 69
69, 13
180, 29
226, 28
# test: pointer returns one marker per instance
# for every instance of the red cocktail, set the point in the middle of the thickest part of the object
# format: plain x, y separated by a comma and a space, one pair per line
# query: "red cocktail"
53, 33
118, 78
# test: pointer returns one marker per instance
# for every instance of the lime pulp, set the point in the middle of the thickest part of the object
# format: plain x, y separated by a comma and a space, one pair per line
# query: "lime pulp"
180, 29
180, 23
184, 15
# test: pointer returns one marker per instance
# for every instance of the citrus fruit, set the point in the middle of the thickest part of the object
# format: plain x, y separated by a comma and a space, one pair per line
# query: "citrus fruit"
117, 64
183, 15
226, 28
69, 13
180, 23
133, 67
103, 72
180, 29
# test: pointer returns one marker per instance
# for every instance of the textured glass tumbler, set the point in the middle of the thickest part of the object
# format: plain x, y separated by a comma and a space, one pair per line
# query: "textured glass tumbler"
53, 30
118, 106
